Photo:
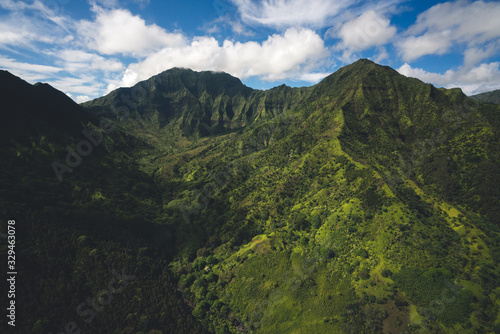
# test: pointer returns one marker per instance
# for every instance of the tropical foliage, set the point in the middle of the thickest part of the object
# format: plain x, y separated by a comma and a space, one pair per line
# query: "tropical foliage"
368, 203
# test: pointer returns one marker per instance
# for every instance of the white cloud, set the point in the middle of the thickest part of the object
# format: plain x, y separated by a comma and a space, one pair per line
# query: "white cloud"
430, 43
82, 98
13, 35
83, 85
368, 30
237, 27
287, 55
52, 14
13, 66
27, 69
115, 3
382, 55
27, 24
82, 82
474, 55
83, 58
479, 79
447, 24
307, 13
39, 11
313, 77
286, 13
119, 32
240, 29
13, 5
107, 3
77, 60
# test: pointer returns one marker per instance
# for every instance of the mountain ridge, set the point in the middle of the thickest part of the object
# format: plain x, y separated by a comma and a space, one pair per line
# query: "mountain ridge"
380, 108
488, 97
217, 101
352, 206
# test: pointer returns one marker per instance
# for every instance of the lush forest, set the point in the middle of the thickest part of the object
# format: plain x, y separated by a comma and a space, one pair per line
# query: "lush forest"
489, 97
190, 203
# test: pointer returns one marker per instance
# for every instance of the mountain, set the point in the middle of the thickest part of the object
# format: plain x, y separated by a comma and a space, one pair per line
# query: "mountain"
489, 97
34, 118
69, 245
196, 103
36, 103
367, 203
437, 137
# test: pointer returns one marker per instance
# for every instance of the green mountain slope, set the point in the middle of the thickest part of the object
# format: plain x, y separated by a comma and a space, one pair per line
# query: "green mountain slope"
195, 104
489, 97
438, 138
340, 191
367, 203
77, 238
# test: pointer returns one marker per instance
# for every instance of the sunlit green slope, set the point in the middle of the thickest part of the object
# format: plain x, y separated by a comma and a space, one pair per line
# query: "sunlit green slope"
368, 203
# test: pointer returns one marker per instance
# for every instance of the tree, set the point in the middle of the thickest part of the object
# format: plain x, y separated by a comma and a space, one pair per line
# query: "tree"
364, 274
386, 273
316, 221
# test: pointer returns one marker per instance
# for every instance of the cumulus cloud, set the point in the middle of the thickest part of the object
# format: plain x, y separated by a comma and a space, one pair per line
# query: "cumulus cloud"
93, 62
118, 31
81, 98
313, 77
287, 55
479, 79
368, 30
431, 43
474, 55
451, 23
286, 13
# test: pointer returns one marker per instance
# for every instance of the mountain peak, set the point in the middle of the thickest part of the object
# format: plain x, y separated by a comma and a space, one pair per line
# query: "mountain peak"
365, 65
41, 102
214, 83
364, 61
355, 73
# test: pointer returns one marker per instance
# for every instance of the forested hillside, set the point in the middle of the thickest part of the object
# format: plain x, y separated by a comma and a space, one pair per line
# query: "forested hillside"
368, 203
489, 97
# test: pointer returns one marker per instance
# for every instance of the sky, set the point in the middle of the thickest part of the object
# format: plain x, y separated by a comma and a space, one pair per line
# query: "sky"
89, 48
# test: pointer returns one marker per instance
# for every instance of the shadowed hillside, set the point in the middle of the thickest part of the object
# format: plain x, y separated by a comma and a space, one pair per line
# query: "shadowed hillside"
368, 203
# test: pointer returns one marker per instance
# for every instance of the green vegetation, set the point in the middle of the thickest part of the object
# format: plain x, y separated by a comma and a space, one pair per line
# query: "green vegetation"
368, 203
435, 294
490, 97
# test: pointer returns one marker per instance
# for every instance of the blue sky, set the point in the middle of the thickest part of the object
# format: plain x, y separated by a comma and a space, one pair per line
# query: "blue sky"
88, 48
